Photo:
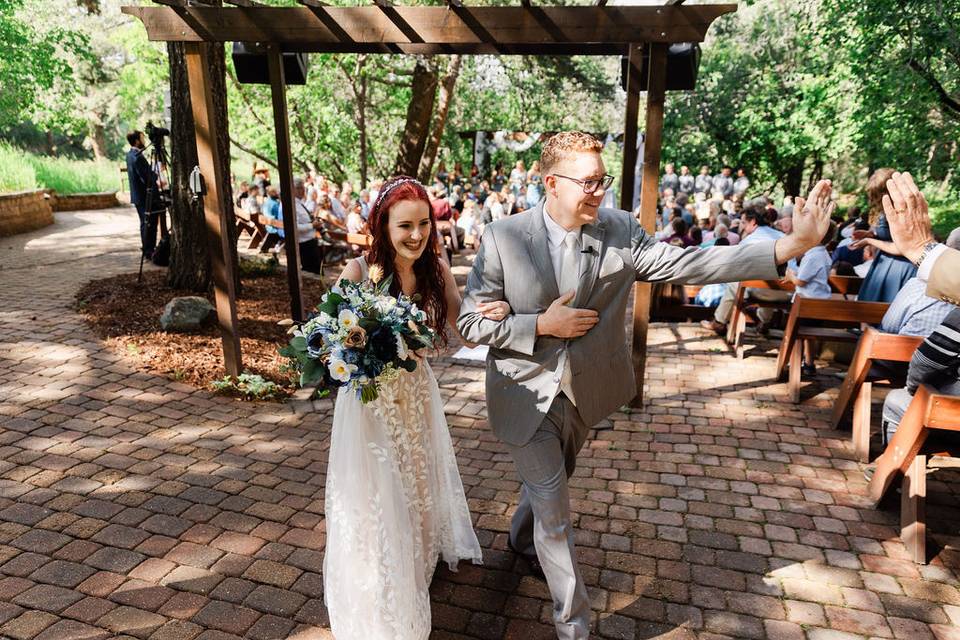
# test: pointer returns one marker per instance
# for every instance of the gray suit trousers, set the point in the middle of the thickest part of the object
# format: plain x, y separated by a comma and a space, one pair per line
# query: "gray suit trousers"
541, 523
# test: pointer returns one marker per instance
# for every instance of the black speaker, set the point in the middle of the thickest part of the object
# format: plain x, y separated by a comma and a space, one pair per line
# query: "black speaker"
683, 62
252, 67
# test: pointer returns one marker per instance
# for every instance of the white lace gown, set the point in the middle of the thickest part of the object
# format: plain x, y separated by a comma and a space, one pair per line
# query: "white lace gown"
394, 505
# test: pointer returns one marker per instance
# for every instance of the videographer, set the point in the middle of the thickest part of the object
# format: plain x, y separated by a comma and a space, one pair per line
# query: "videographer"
142, 179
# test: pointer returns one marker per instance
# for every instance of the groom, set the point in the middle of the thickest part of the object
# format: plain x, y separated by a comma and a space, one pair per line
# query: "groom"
559, 363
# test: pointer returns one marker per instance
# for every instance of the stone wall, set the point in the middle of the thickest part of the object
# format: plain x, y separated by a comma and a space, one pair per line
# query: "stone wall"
24, 211
83, 201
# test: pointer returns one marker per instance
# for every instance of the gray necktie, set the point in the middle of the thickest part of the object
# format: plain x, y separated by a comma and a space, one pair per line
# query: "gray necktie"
569, 278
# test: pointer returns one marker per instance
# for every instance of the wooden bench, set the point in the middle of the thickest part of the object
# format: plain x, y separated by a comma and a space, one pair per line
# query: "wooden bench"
359, 239
841, 314
856, 389
844, 286
252, 226
907, 455
737, 325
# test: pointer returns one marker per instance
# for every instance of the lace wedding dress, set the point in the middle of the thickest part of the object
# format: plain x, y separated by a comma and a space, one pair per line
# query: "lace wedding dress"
394, 504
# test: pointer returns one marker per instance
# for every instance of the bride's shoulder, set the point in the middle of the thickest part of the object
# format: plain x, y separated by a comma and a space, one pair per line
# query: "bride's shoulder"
353, 271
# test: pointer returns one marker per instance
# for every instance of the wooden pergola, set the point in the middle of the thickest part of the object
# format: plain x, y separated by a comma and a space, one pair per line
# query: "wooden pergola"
632, 31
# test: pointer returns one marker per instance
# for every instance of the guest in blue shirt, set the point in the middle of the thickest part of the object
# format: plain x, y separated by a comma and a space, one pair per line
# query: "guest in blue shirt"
812, 280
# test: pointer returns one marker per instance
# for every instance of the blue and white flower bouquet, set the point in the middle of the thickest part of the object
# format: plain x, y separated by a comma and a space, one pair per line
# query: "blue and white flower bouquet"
360, 337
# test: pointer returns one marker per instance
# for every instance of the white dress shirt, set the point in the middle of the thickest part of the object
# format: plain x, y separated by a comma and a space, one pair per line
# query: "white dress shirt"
555, 236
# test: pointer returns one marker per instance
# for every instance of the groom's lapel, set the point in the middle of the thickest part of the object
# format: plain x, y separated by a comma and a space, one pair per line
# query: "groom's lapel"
591, 241
540, 253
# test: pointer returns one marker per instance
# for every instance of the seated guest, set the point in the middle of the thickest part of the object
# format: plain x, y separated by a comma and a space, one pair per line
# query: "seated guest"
935, 363
733, 237
694, 237
712, 237
862, 269
678, 234
270, 218
251, 204
242, 193
889, 272
471, 221
753, 225
812, 280
446, 222
325, 214
913, 312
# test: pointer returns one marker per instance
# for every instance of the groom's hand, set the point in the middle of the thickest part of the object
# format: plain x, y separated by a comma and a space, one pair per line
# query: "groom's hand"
811, 219
562, 321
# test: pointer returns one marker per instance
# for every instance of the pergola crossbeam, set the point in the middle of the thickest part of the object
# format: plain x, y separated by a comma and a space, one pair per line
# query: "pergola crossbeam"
528, 30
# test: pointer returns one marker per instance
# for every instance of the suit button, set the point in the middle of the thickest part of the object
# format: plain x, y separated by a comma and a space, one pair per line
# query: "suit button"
556, 379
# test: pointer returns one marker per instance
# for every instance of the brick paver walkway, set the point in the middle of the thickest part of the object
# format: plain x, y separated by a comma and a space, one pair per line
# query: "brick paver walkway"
134, 506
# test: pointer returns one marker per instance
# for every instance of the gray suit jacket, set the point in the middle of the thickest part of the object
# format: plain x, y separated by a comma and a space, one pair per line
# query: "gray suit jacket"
513, 264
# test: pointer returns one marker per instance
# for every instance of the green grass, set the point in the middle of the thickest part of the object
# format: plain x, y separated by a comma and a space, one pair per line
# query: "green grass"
23, 171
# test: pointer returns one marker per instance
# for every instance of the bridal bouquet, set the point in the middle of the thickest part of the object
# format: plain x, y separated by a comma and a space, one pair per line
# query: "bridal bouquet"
360, 337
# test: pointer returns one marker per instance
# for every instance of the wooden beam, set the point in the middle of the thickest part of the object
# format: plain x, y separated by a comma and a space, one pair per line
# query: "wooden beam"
216, 218
606, 30
284, 168
653, 138
245, 3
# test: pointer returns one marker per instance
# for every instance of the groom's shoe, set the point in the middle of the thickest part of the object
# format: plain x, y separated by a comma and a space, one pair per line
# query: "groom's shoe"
532, 561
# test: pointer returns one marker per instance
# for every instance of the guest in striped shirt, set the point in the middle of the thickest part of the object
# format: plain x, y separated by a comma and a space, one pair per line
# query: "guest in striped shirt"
935, 362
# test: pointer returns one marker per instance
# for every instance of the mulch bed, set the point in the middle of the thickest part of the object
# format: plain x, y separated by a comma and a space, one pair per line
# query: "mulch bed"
126, 315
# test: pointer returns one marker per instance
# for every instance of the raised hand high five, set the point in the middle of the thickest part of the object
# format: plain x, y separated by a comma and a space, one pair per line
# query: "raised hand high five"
811, 219
907, 215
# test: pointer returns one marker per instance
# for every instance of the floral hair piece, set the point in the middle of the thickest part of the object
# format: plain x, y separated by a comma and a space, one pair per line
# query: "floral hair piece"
391, 187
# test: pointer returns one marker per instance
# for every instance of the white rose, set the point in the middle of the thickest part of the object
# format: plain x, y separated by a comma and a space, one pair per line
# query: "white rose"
340, 370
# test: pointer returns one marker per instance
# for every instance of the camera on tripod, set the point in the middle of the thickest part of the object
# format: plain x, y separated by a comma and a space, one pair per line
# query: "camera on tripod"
158, 200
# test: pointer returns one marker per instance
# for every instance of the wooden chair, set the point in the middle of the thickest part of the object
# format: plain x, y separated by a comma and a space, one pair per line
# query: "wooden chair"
252, 226
856, 390
907, 455
739, 319
841, 314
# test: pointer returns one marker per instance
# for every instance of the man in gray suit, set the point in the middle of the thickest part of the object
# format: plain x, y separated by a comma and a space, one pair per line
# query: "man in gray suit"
559, 363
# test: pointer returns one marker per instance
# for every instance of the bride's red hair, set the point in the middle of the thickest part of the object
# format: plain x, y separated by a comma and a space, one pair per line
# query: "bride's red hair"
427, 268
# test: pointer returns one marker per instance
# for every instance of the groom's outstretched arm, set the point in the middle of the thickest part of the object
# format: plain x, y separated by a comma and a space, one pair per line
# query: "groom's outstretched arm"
662, 262
516, 332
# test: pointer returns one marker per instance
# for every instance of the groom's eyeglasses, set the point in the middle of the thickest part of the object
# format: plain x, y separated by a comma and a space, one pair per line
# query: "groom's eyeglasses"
591, 186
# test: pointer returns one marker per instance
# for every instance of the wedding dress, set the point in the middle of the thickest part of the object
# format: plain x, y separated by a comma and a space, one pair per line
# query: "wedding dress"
394, 504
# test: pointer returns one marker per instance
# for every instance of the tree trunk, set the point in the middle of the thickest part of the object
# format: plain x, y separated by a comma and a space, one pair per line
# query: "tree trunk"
443, 106
189, 246
362, 126
793, 180
98, 139
419, 111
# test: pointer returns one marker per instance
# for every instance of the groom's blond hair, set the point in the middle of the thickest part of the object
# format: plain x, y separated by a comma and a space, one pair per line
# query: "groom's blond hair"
563, 145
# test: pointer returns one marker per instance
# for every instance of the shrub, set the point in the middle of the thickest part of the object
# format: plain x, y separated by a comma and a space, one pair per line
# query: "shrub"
23, 171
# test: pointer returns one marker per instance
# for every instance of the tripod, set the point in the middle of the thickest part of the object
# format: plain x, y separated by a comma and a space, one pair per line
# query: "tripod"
156, 205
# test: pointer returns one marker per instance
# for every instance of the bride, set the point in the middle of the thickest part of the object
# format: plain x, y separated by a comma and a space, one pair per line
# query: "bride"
394, 499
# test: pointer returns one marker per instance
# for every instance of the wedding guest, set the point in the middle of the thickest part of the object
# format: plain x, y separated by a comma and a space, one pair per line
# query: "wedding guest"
703, 181
889, 272
686, 181
670, 179
812, 280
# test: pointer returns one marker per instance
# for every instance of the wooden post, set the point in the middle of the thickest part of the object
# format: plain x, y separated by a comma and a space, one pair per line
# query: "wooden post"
627, 178
197, 57
656, 83
282, 129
